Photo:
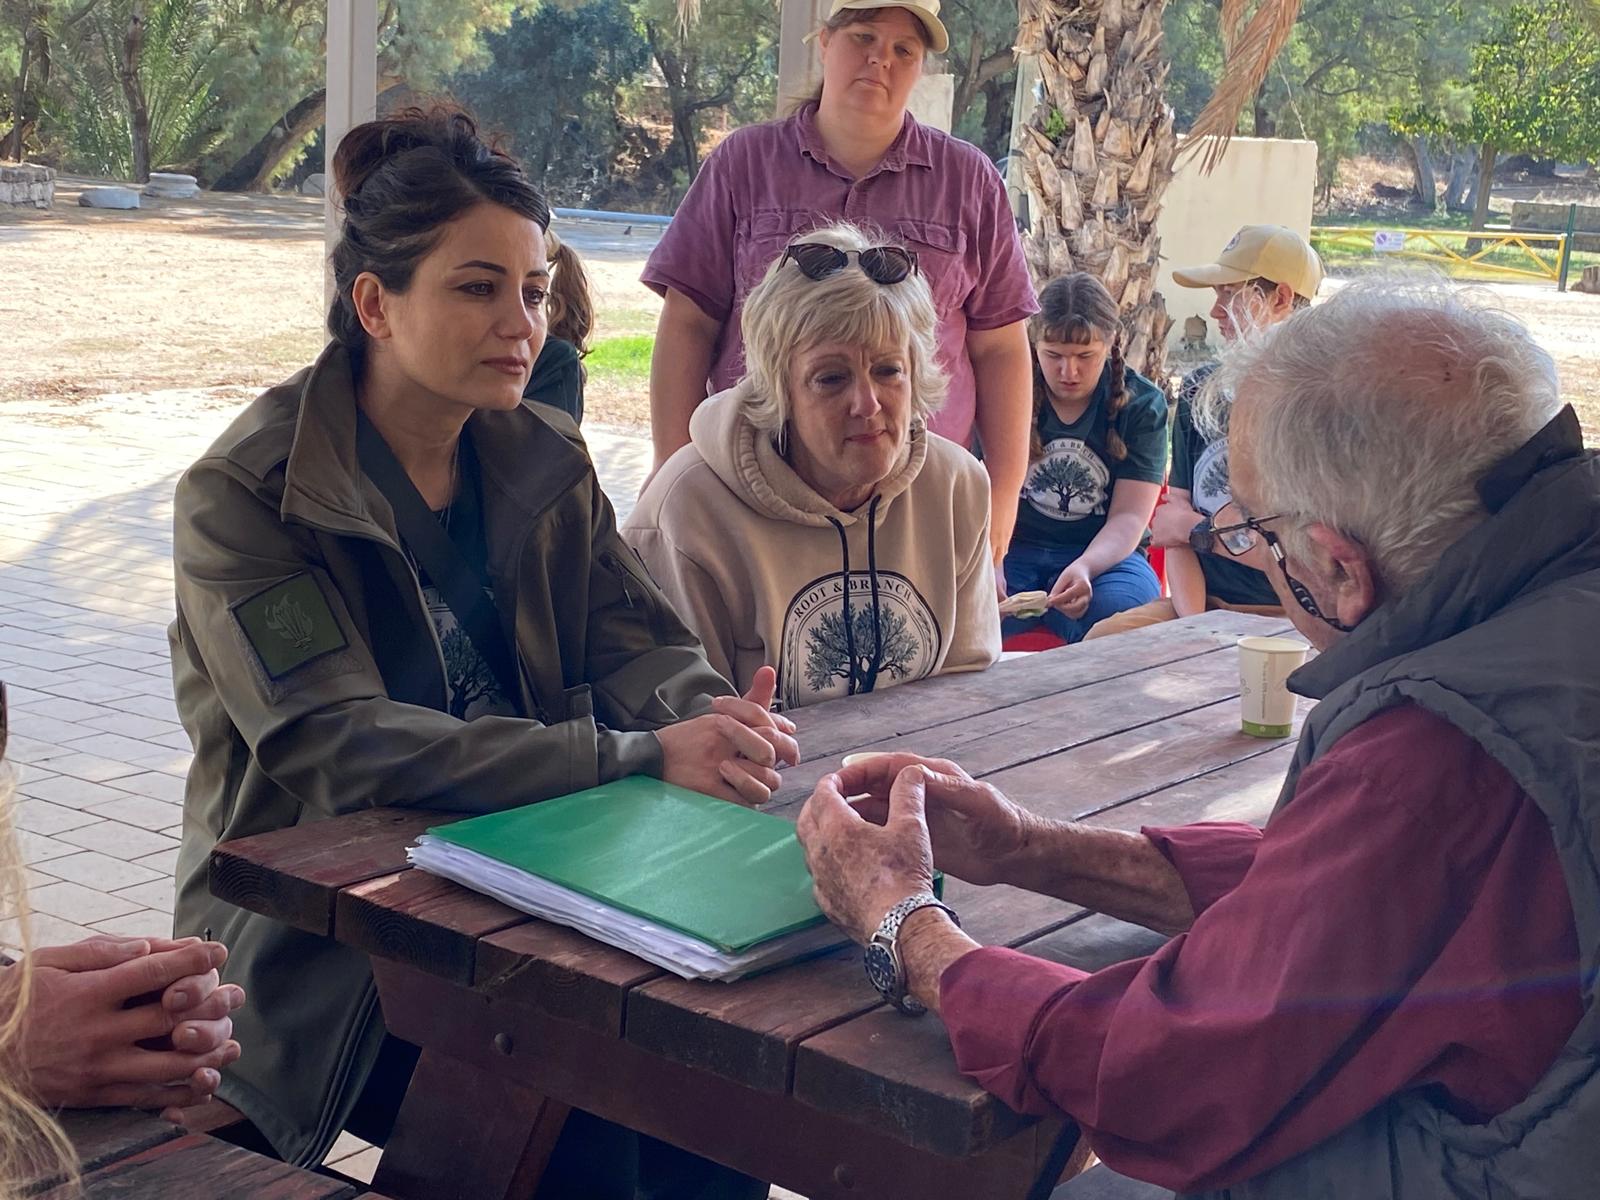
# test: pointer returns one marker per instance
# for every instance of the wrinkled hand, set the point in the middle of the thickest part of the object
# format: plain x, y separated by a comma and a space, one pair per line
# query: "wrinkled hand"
975, 831
1073, 590
734, 751
1174, 518
128, 1022
860, 870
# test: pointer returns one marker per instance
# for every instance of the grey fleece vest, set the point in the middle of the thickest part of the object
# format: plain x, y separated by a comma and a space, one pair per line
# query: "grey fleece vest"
1502, 641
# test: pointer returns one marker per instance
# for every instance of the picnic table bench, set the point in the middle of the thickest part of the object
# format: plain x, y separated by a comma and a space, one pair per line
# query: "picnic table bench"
130, 1155
801, 1076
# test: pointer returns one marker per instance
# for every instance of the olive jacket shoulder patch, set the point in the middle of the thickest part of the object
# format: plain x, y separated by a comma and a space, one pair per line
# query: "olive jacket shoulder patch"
289, 625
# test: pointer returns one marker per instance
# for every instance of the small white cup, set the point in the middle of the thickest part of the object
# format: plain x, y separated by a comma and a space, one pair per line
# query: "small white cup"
1266, 704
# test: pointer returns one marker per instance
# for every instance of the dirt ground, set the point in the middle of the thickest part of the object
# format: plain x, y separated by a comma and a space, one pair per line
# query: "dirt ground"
224, 292
219, 292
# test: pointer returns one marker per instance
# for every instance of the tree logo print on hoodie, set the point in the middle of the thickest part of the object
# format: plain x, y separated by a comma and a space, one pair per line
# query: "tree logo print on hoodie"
1069, 482
827, 654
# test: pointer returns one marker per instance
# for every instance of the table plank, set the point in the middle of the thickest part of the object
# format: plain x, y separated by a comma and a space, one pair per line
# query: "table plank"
882, 1067
198, 1167
797, 1146
1115, 770
422, 920
1020, 733
294, 874
562, 973
836, 727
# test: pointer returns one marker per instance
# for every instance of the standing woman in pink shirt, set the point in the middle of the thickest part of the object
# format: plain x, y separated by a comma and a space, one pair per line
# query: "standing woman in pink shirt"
855, 154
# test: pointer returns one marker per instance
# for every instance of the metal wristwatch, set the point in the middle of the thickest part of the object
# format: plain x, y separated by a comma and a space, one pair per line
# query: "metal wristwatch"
885, 968
1201, 538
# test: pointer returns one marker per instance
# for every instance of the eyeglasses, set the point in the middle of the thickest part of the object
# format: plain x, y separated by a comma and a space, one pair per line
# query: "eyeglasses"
1242, 536
881, 264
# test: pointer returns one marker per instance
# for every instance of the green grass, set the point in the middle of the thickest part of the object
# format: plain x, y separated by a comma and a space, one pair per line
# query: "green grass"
622, 361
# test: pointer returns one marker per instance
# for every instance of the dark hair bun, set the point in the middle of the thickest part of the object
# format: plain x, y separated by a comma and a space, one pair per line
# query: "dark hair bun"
401, 179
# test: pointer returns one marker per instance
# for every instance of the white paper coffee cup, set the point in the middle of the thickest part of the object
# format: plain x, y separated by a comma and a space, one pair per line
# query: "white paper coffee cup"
1266, 704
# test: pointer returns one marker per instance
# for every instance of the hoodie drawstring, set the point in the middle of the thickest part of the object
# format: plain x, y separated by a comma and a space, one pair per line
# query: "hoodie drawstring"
872, 573
849, 622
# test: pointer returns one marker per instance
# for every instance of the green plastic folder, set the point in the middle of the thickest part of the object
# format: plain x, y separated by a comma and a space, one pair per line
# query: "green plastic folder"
729, 876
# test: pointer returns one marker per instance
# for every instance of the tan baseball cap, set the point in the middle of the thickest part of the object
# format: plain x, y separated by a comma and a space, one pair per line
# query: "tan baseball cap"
1260, 252
927, 12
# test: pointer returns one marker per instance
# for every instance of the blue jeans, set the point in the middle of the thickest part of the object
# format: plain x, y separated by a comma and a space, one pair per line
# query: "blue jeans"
1119, 587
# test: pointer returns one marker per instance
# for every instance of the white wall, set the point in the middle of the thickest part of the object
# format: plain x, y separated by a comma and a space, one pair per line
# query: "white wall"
1259, 181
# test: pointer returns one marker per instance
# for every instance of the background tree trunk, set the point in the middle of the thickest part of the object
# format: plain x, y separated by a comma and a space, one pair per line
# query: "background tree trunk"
1480, 207
997, 96
12, 146
1424, 186
253, 170
1265, 126
1461, 191
128, 65
1098, 155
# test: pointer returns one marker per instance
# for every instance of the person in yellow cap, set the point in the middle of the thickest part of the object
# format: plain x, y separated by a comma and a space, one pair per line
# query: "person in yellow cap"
1263, 275
855, 154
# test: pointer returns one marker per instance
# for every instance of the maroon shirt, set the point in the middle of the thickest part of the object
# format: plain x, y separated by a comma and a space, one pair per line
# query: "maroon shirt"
937, 194
1403, 924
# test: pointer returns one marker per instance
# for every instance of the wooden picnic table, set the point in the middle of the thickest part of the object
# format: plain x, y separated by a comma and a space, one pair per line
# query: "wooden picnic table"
801, 1076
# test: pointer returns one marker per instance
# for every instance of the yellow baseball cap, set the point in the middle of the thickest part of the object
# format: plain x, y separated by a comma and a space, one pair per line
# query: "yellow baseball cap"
1260, 252
926, 12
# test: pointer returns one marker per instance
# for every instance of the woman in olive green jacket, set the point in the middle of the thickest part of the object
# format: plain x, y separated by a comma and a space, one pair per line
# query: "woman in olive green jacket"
320, 670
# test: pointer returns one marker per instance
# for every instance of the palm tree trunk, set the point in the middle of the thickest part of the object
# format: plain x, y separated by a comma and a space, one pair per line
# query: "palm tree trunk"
128, 67
1098, 153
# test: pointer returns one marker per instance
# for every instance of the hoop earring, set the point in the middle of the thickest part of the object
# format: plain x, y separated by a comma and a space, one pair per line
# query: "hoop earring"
783, 441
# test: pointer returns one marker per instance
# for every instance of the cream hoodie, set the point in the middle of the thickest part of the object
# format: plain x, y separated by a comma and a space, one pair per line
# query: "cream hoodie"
765, 570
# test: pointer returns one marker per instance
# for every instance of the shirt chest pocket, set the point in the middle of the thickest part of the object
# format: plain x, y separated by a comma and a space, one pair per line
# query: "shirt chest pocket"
761, 239
942, 258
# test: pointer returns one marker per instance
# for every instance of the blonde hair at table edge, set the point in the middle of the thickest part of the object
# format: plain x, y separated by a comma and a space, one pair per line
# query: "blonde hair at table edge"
788, 311
32, 1145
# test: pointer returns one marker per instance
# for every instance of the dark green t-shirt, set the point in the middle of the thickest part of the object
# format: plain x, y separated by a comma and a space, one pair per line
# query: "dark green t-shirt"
1200, 467
1067, 493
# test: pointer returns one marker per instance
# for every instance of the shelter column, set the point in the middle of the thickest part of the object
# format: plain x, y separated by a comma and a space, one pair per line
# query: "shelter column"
352, 91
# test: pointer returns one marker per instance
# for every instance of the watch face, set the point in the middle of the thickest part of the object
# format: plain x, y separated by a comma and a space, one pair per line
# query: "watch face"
1201, 539
880, 969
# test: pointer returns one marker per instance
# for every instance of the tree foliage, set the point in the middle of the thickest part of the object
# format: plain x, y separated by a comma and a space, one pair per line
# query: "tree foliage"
982, 33
584, 54
141, 87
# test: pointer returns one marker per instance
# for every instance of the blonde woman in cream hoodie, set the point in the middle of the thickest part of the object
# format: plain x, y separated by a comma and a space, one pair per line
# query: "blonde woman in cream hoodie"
813, 522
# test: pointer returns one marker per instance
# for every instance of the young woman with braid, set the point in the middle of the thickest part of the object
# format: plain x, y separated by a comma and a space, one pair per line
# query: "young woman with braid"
1097, 459
557, 377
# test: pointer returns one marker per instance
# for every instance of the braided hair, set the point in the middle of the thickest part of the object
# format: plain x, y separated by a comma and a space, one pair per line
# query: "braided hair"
1077, 308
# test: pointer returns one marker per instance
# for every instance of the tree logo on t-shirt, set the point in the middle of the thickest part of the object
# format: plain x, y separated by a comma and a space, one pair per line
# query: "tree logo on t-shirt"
1210, 489
1069, 482
820, 658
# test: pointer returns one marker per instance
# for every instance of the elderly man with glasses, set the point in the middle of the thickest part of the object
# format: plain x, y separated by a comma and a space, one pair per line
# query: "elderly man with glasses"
1390, 991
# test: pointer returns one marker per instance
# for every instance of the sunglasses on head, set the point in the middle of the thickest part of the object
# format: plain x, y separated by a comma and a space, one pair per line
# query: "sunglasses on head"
881, 264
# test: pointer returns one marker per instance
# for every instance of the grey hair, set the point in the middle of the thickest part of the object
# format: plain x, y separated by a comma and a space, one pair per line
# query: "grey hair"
787, 312
1378, 412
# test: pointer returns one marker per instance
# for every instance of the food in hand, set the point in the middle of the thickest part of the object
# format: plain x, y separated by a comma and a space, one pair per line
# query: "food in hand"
1025, 604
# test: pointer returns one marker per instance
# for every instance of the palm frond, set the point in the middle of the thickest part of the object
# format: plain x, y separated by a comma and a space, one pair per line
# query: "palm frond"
1249, 56
688, 14
1230, 20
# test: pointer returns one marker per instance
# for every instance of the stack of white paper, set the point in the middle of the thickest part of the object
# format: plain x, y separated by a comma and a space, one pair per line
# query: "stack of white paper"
666, 948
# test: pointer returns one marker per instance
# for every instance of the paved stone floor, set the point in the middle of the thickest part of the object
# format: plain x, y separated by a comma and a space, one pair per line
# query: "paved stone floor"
85, 600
